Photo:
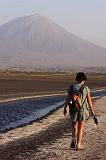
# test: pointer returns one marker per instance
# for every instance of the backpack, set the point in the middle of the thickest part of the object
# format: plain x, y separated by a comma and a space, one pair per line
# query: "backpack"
74, 102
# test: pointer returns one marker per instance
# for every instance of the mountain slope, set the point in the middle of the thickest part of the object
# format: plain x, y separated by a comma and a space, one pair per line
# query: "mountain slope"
35, 41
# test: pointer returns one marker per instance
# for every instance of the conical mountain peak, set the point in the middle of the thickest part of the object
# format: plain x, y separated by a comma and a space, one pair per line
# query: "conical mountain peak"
37, 41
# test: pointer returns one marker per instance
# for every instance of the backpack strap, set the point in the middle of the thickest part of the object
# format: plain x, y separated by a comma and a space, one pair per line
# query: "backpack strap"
81, 91
81, 88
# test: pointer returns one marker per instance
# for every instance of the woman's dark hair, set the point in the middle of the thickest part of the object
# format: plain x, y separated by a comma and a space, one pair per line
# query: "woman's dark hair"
80, 77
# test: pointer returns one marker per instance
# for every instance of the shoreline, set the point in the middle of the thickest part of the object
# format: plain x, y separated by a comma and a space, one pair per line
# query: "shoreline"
50, 138
9, 100
16, 118
39, 95
22, 113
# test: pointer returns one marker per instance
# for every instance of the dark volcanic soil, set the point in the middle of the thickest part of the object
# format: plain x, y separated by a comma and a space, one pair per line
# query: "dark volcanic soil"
18, 85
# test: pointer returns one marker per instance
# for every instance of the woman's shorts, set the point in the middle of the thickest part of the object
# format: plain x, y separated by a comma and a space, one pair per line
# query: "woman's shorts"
79, 116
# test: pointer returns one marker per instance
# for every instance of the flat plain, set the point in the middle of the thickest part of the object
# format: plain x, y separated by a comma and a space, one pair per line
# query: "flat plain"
20, 84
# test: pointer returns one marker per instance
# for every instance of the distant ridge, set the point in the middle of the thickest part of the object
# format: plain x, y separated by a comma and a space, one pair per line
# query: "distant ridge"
36, 42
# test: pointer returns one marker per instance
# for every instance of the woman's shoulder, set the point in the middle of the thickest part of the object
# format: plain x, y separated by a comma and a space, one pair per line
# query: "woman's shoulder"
87, 89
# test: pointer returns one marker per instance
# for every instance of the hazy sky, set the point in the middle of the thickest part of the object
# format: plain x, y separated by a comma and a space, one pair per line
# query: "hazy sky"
84, 18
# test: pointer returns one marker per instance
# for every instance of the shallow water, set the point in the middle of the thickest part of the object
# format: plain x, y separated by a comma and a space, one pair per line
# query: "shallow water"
20, 112
101, 93
23, 111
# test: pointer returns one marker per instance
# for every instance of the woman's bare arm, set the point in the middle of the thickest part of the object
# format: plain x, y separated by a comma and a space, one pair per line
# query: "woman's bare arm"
65, 105
90, 103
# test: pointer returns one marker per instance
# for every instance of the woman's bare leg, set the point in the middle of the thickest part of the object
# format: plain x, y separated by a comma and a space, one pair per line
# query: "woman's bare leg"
74, 134
74, 130
80, 132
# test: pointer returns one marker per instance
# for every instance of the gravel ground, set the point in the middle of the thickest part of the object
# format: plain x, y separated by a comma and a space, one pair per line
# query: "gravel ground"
50, 139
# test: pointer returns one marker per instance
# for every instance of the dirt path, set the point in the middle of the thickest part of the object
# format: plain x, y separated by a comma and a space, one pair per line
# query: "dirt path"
50, 138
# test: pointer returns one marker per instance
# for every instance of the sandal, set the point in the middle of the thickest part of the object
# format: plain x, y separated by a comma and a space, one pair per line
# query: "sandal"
73, 144
80, 147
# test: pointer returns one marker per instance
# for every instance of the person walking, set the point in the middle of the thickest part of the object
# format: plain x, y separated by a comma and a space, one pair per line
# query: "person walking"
80, 105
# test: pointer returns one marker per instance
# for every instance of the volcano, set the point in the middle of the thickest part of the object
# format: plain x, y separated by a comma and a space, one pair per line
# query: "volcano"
37, 42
